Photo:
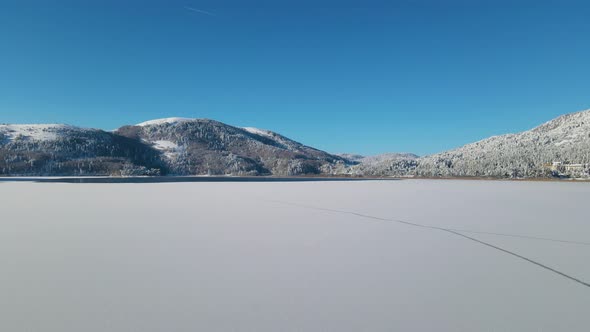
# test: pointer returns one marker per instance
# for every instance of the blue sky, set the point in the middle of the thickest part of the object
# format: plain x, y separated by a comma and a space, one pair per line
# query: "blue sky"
344, 76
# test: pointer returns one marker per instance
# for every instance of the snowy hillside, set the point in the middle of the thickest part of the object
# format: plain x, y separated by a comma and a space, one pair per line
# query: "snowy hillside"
260, 132
565, 139
387, 157
208, 147
45, 132
163, 121
388, 164
49, 149
182, 146
560, 147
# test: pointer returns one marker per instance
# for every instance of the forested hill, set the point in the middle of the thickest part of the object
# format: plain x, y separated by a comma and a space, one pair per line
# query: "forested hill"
160, 147
564, 140
179, 146
68, 151
558, 148
208, 147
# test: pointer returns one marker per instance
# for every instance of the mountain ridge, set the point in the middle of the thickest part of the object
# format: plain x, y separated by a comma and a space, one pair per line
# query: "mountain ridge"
185, 146
565, 139
205, 146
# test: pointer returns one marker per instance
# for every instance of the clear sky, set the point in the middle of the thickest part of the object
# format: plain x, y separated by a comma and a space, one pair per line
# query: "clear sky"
364, 77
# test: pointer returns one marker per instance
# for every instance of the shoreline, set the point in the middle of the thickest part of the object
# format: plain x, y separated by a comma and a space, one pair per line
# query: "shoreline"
180, 179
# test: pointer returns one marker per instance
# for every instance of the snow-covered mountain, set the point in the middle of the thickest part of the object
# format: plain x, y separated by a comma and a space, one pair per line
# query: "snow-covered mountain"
351, 157
565, 140
387, 164
386, 157
558, 147
199, 146
44, 132
54, 149
178, 146
202, 146
163, 121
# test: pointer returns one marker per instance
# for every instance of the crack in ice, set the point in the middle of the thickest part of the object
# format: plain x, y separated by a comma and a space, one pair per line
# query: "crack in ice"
457, 233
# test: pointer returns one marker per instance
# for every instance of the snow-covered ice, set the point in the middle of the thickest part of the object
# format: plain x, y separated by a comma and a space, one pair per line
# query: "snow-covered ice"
286, 256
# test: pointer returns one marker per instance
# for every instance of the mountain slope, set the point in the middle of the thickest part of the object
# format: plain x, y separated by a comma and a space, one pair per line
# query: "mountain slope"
565, 139
202, 146
184, 146
66, 150
388, 164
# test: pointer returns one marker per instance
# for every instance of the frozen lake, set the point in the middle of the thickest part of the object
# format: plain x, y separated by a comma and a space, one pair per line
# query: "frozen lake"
301, 256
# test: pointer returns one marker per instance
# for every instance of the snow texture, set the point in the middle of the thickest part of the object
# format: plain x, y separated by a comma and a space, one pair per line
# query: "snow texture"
211, 147
565, 139
284, 257
164, 121
206, 147
40, 132
260, 132
169, 148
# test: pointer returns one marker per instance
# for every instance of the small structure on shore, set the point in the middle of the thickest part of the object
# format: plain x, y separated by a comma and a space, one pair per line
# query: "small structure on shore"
560, 168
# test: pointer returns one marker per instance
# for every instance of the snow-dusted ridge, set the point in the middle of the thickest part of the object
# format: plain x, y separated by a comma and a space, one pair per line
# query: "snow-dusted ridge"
157, 122
39, 132
565, 139
168, 148
203, 146
256, 131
